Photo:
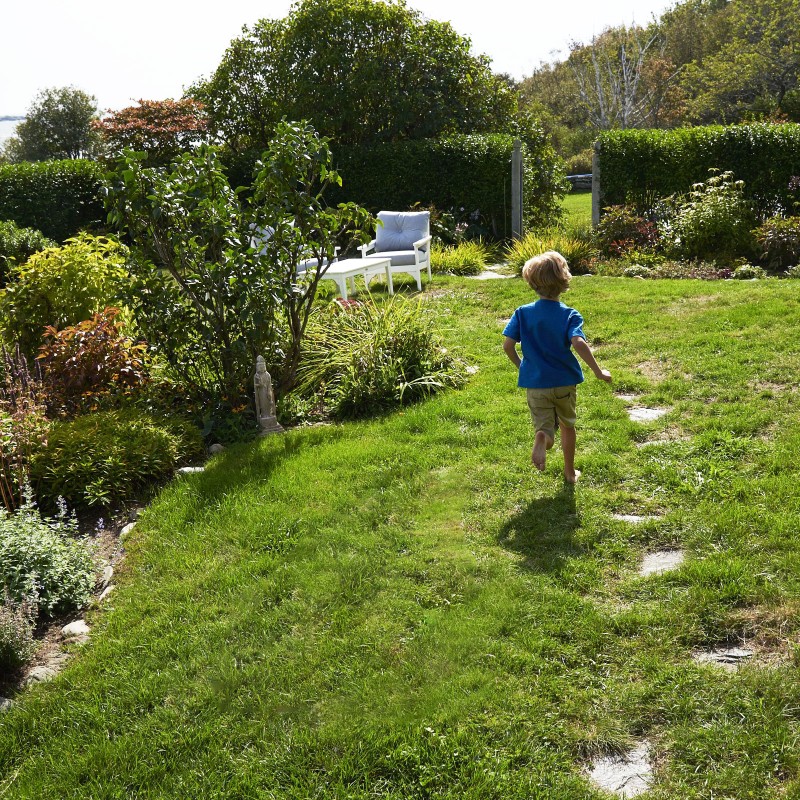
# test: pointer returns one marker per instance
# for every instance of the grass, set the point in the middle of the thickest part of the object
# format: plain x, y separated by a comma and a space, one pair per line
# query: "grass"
403, 608
578, 206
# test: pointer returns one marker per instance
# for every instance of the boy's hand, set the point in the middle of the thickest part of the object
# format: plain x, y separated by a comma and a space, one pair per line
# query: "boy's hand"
603, 375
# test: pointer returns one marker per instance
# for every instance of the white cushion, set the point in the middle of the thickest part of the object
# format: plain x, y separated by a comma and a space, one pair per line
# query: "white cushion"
400, 229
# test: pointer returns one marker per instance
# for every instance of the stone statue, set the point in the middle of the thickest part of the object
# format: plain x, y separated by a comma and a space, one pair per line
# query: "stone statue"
265, 399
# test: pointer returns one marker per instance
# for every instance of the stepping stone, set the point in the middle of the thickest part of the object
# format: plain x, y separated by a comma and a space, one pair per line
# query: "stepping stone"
628, 398
472, 369
40, 675
190, 470
641, 414
77, 628
634, 519
625, 776
488, 275
727, 659
661, 561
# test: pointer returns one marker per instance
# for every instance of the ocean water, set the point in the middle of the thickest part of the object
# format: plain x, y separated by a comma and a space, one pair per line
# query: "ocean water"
7, 128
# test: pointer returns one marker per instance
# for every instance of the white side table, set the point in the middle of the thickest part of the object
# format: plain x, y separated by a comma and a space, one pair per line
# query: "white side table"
349, 268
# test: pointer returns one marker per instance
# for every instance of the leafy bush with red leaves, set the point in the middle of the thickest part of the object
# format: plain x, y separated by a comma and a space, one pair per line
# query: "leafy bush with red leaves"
86, 365
621, 229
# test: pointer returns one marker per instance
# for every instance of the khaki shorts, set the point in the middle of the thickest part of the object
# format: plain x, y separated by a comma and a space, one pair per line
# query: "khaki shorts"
551, 406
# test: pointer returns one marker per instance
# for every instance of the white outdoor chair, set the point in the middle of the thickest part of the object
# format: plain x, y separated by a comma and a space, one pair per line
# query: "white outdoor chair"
405, 238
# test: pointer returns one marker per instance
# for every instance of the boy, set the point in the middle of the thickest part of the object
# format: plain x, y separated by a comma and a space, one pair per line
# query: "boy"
548, 331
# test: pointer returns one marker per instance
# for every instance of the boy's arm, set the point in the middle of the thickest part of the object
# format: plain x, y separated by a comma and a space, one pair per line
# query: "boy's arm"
581, 347
510, 348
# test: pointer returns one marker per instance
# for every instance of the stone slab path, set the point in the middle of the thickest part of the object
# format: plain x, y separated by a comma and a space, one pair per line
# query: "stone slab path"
660, 562
625, 776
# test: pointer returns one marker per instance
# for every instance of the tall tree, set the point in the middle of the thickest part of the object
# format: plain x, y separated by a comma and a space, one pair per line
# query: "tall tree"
162, 128
58, 124
360, 70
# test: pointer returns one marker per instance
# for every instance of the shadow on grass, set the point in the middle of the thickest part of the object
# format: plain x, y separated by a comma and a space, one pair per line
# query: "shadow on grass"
542, 532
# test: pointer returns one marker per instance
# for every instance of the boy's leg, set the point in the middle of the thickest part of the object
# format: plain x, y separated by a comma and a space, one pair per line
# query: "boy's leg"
541, 444
543, 416
568, 447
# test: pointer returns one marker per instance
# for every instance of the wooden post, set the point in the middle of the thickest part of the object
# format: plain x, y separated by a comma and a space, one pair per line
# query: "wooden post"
596, 184
516, 190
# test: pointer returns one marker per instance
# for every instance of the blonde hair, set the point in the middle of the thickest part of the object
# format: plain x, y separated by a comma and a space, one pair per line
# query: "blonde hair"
547, 274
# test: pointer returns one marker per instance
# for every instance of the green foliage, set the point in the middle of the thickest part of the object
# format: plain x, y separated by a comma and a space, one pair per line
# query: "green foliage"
207, 299
361, 71
43, 561
748, 272
17, 621
579, 251
466, 176
641, 167
621, 229
109, 458
90, 363
465, 258
714, 221
57, 125
62, 286
23, 425
162, 128
17, 245
779, 242
59, 198
580, 163
360, 358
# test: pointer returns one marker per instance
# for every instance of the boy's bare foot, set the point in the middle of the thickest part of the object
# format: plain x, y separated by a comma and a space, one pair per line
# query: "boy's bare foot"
540, 448
572, 477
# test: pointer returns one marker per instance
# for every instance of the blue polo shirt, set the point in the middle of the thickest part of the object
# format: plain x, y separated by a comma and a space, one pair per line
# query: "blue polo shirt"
545, 330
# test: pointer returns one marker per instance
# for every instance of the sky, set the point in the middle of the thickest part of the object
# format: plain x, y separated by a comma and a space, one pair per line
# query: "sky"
149, 49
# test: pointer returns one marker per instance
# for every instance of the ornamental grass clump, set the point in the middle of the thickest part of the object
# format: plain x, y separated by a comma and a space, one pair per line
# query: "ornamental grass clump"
580, 252
361, 358
464, 258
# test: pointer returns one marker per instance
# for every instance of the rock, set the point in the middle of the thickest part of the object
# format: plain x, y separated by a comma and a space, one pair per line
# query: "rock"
190, 470
627, 398
40, 675
127, 529
108, 574
5, 704
727, 659
625, 776
106, 592
641, 414
634, 519
661, 561
488, 275
77, 628
215, 449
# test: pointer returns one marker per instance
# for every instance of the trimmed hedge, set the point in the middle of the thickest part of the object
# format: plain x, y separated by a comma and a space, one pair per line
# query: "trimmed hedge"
59, 198
638, 167
461, 174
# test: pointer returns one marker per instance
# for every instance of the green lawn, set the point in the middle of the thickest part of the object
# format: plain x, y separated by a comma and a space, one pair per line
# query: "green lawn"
578, 206
403, 608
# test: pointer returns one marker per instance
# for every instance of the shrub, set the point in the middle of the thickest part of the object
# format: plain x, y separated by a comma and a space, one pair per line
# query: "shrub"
641, 166
361, 358
59, 198
714, 221
23, 426
62, 286
621, 229
110, 458
579, 251
779, 242
43, 560
465, 258
17, 622
88, 363
748, 272
580, 163
465, 175
17, 245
